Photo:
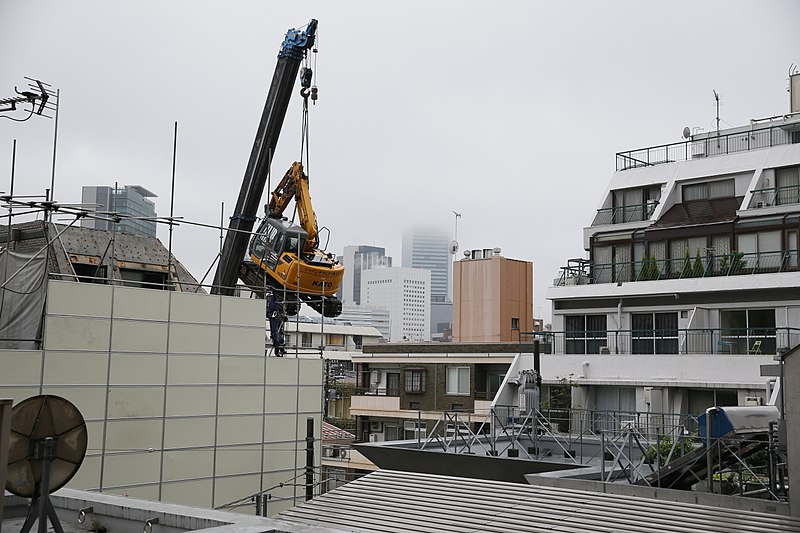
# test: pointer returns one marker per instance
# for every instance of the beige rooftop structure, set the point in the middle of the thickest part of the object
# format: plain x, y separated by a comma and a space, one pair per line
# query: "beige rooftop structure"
492, 297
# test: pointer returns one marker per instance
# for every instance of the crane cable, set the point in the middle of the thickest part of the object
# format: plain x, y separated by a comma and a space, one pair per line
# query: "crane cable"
308, 89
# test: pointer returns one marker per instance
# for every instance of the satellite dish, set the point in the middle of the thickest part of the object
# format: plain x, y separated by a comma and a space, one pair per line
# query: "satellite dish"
687, 132
46, 447
453, 247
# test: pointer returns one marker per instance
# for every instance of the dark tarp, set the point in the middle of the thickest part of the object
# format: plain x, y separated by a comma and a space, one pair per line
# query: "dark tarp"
21, 299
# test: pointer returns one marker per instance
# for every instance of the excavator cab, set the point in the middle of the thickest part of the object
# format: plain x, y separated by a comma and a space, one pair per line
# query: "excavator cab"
278, 259
274, 238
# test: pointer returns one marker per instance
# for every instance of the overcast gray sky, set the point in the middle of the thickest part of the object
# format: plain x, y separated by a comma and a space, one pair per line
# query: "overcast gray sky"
507, 112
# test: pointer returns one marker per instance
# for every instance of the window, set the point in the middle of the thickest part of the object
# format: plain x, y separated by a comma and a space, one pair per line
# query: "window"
787, 181
633, 205
391, 432
654, 333
393, 384
702, 399
416, 381
585, 333
358, 341
515, 323
90, 273
415, 429
306, 340
709, 190
335, 339
414, 406
143, 278
613, 407
458, 380
761, 250
741, 329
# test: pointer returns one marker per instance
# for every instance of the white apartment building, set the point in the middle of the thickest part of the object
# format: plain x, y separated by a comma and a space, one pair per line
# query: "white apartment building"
691, 281
405, 292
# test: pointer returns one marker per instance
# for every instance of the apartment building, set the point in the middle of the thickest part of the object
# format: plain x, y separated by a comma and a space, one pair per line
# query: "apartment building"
403, 389
691, 281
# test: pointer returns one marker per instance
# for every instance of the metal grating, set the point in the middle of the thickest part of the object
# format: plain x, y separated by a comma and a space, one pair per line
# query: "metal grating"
408, 502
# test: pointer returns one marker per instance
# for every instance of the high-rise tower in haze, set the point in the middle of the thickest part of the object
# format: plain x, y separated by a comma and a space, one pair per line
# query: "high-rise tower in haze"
428, 248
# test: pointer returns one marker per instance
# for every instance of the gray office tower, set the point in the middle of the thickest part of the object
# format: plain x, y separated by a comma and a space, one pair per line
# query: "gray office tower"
131, 201
429, 248
355, 259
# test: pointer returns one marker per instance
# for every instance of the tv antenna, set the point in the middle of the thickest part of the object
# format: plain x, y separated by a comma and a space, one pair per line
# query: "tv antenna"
38, 94
46, 448
716, 99
454, 243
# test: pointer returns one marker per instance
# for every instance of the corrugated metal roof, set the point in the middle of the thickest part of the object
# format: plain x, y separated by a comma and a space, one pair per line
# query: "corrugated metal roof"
398, 502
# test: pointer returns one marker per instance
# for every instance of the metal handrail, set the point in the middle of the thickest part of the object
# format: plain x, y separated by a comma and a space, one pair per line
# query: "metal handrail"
775, 196
673, 341
652, 269
708, 145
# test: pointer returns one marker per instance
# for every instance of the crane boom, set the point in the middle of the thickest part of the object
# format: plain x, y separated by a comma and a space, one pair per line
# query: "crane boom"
293, 50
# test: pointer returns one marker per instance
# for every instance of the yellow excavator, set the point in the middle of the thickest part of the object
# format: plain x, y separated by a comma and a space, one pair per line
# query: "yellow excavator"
288, 255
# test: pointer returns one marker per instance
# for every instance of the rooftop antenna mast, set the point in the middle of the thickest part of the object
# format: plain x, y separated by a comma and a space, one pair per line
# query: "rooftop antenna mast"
716, 99
38, 94
454, 244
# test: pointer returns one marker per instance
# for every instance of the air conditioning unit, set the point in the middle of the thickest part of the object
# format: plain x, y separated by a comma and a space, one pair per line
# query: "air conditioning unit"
328, 452
376, 427
344, 453
752, 401
373, 437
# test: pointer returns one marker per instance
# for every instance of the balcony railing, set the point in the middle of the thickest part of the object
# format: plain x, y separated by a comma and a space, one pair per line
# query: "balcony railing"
709, 145
620, 215
777, 196
702, 341
735, 264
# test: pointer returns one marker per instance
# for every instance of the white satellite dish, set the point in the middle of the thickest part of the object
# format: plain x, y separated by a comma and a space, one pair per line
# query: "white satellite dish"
453, 247
687, 132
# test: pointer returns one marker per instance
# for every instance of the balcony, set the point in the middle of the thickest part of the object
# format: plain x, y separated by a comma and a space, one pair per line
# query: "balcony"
374, 405
621, 215
777, 196
702, 341
710, 145
581, 272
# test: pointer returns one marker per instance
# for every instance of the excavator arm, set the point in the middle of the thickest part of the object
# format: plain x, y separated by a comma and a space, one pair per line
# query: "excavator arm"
294, 186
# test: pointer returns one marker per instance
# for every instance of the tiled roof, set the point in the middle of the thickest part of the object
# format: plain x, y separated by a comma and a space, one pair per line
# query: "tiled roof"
403, 502
331, 432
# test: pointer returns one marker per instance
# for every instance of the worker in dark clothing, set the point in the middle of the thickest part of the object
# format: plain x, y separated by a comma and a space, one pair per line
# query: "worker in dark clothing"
276, 319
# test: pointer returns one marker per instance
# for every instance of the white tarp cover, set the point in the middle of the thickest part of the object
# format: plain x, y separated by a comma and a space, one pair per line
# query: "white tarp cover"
21, 299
